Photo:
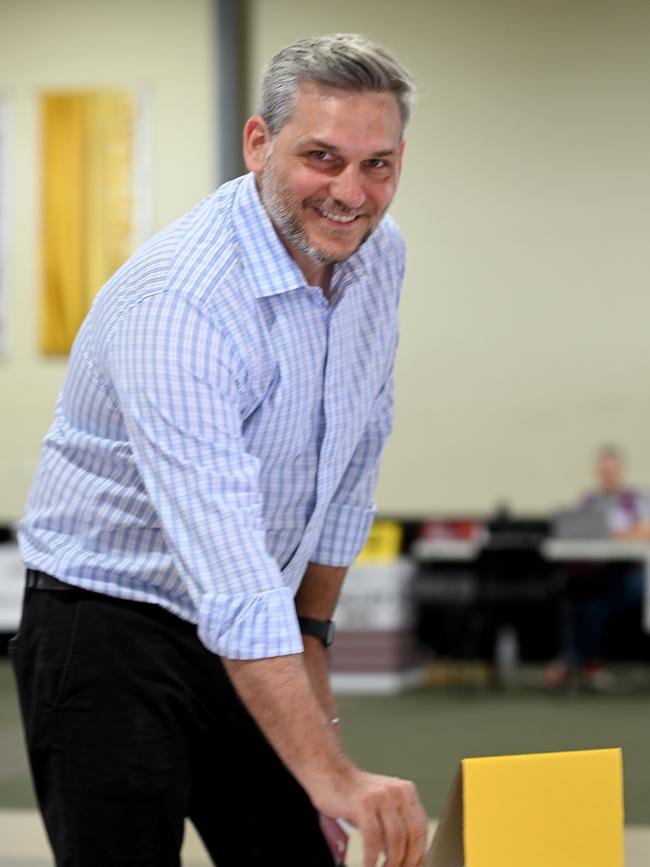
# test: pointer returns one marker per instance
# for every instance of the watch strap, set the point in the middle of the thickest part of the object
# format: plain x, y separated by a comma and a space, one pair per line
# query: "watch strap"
323, 629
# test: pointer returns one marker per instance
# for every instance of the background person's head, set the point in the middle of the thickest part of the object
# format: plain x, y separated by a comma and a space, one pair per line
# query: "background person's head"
326, 143
609, 468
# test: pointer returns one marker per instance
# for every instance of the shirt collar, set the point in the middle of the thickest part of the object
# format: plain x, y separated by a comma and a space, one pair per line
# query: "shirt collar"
269, 265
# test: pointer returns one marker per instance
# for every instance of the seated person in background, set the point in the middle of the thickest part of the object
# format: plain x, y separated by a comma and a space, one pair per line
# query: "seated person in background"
596, 593
626, 509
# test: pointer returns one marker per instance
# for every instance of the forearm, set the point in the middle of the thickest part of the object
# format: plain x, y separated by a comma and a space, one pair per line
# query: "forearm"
316, 661
640, 532
278, 694
290, 699
317, 597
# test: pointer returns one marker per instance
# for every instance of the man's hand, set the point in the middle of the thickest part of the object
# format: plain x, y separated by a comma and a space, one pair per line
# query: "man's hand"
386, 811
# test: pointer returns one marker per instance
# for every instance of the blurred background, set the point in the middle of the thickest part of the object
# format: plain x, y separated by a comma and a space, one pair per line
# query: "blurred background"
486, 614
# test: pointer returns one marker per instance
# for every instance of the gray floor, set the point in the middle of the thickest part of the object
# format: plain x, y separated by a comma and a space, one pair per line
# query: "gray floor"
420, 735
423, 735
24, 845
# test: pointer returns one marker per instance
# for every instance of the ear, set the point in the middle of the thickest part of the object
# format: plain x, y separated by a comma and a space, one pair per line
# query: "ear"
256, 143
402, 145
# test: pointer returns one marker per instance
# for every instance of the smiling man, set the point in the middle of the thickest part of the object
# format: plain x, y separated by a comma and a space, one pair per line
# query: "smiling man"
206, 482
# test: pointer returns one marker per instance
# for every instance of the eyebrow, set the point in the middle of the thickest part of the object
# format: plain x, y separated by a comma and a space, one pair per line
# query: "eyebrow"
326, 146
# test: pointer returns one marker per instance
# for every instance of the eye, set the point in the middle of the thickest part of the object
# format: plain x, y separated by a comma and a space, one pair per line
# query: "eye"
377, 164
321, 156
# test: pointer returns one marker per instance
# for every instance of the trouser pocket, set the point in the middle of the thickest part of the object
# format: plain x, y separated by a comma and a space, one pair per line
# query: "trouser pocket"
45, 651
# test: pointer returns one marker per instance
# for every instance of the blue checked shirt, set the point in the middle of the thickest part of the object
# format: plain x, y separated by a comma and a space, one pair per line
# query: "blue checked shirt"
220, 426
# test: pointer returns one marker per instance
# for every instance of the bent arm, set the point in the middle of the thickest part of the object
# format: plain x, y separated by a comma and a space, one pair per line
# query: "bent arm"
386, 810
180, 382
317, 597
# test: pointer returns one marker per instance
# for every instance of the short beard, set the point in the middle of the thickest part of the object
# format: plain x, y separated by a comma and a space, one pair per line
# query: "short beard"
287, 223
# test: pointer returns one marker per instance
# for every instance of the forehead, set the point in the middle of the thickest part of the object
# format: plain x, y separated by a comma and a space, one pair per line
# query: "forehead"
365, 119
609, 459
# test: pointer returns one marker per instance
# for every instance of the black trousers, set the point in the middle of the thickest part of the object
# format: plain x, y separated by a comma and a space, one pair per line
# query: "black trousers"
132, 725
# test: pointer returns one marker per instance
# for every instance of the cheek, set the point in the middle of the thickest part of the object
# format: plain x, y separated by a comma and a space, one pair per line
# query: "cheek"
305, 184
381, 194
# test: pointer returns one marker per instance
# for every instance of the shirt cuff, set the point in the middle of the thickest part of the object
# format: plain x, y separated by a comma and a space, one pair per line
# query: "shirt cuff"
250, 626
344, 534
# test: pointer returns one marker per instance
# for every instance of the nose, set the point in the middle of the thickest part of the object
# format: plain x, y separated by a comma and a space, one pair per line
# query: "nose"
347, 188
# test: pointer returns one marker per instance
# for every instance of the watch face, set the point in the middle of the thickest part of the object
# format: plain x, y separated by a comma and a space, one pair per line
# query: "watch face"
329, 638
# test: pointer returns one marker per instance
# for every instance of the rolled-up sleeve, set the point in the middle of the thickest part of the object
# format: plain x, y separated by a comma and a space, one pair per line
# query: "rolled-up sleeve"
180, 381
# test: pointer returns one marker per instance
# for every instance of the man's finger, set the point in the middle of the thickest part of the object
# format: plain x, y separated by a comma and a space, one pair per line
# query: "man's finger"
416, 823
395, 833
416, 843
370, 829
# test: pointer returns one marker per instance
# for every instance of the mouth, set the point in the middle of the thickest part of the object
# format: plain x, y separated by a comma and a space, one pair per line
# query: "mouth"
338, 220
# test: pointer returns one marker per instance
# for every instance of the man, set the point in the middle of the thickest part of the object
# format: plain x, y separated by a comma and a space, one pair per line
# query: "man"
213, 455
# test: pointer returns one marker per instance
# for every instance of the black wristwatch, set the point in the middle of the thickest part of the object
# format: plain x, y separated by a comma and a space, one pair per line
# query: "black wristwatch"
323, 629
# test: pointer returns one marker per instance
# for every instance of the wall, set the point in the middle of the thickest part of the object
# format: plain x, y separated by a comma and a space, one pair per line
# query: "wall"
525, 203
163, 46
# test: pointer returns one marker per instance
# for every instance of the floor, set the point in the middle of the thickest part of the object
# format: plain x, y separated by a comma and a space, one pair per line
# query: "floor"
24, 844
421, 735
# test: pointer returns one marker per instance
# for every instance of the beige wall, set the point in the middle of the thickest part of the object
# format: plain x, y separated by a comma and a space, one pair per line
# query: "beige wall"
525, 203
163, 46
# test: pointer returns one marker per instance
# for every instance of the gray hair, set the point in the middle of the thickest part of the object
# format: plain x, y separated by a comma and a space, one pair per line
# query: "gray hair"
344, 60
611, 450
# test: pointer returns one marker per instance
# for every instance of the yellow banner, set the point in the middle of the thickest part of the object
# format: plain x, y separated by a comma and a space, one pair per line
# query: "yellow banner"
87, 141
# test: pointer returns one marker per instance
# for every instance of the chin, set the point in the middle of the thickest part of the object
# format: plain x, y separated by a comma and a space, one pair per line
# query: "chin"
334, 257
334, 253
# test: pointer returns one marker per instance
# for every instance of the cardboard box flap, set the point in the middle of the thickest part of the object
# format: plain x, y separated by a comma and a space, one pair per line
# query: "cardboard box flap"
447, 846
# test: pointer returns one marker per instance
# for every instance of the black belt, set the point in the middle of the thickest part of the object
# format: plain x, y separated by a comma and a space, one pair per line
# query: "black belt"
42, 581
36, 580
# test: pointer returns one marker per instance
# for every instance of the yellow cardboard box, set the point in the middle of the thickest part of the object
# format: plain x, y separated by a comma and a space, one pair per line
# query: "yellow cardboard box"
541, 810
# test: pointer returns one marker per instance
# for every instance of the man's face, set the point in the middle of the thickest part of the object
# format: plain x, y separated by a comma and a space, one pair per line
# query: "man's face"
610, 472
329, 175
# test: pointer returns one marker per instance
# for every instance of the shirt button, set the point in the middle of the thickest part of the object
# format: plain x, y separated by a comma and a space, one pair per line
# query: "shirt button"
331, 390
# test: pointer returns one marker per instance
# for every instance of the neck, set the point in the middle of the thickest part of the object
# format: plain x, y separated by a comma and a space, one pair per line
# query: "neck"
318, 275
315, 273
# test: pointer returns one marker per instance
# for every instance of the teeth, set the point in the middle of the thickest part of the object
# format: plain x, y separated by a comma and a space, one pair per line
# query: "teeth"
338, 218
